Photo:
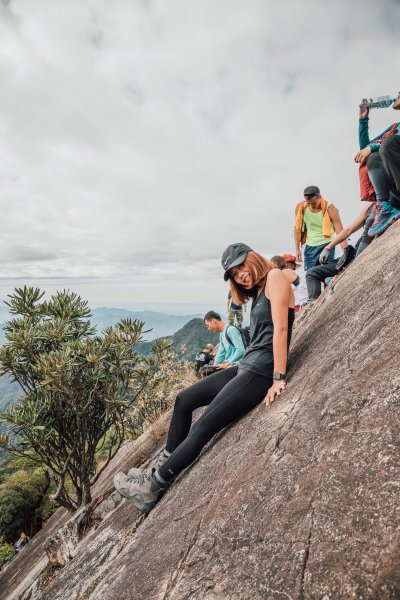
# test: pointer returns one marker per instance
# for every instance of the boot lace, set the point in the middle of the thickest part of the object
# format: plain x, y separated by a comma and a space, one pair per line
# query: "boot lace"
140, 478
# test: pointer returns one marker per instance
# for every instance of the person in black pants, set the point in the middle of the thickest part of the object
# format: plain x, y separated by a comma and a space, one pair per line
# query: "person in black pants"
232, 392
381, 155
316, 276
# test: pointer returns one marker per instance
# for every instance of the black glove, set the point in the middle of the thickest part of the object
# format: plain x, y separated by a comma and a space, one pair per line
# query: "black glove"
349, 254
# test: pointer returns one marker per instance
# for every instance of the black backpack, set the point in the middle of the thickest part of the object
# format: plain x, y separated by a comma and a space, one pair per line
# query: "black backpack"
244, 333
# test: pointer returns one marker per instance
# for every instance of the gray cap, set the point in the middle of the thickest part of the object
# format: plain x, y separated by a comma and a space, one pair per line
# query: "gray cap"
311, 190
234, 255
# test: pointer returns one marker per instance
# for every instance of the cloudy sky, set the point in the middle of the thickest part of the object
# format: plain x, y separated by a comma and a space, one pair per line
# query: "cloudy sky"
139, 137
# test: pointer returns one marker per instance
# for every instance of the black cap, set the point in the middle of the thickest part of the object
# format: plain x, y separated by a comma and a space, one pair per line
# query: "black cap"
234, 255
312, 190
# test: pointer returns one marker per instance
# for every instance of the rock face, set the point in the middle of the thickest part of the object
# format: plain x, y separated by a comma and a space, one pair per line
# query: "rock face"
298, 502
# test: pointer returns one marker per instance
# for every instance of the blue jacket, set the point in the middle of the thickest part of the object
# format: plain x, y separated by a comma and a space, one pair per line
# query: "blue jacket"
229, 353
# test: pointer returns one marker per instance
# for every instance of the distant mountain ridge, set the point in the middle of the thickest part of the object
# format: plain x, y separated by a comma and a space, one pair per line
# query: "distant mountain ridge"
193, 336
161, 324
183, 330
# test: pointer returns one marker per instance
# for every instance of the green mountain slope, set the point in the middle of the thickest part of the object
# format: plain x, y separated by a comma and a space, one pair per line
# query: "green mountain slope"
193, 336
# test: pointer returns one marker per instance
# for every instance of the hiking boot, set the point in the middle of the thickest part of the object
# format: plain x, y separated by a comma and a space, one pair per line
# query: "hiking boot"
160, 460
143, 487
385, 215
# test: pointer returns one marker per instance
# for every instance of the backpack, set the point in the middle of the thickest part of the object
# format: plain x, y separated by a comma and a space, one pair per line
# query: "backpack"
244, 334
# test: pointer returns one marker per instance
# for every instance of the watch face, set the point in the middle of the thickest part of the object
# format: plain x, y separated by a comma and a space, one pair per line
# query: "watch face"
278, 376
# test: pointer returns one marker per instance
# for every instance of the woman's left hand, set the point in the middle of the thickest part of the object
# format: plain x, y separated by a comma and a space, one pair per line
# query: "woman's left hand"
361, 157
275, 390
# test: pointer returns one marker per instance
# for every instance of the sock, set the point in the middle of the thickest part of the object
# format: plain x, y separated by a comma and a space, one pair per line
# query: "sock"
159, 479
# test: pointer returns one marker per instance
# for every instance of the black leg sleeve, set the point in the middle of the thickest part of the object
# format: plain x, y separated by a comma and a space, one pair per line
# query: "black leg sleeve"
316, 276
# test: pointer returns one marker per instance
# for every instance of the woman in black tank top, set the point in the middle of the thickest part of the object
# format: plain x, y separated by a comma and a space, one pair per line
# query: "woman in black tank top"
272, 313
231, 392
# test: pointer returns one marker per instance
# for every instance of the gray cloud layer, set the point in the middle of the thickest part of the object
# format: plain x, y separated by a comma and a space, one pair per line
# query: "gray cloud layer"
139, 138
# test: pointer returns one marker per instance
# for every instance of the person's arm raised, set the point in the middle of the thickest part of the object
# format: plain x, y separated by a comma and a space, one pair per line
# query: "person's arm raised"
363, 135
278, 290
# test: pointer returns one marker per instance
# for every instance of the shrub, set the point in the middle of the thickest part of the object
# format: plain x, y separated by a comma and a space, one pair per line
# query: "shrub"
6, 552
173, 374
77, 387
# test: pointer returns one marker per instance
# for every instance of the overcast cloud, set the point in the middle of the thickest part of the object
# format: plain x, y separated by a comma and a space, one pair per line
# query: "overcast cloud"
139, 138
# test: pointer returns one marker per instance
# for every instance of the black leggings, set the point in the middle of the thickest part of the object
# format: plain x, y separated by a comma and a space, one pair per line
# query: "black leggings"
229, 394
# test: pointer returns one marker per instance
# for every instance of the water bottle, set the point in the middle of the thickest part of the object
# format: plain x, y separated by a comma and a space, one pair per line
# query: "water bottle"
379, 102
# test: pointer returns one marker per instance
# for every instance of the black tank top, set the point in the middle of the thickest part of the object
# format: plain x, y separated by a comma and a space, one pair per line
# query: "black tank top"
259, 356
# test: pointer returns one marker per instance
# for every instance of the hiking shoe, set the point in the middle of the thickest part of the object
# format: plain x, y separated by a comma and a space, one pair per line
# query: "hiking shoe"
385, 215
141, 487
160, 460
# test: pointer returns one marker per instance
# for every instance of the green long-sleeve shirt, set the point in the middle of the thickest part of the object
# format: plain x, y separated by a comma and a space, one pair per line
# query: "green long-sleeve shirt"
363, 135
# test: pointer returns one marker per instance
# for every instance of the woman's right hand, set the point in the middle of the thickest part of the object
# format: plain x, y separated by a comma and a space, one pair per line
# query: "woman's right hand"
364, 112
276, 389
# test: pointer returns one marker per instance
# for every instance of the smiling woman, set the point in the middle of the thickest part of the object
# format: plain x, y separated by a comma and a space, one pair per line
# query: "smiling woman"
243, 277
232, 392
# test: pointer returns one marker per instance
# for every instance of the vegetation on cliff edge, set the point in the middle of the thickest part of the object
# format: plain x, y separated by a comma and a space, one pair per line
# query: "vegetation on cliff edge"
78, 387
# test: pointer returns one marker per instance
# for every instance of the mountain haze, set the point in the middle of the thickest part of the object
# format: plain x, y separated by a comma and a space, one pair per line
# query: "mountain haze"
9, 392
160, 324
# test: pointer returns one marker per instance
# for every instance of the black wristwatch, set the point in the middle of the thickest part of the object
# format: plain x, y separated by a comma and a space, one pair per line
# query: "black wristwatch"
279, 376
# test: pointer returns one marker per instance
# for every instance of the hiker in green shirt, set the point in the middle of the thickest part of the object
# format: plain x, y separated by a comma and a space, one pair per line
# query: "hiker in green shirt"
316, 223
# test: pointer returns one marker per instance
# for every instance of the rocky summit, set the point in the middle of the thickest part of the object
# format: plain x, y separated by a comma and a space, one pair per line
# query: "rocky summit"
295, 502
